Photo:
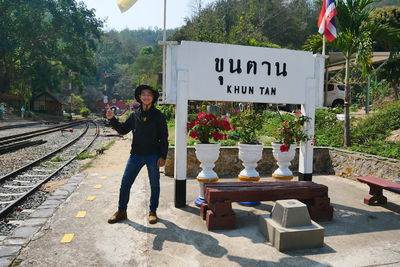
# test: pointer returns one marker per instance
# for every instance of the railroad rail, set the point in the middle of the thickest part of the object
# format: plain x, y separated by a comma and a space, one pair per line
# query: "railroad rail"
14, 126
27, 135
19, 184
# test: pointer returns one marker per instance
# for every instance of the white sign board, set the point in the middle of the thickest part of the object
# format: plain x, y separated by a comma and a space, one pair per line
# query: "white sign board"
240, 73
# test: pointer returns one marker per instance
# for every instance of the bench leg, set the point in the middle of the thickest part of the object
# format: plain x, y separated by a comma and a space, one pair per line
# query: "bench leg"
203, 210
220, 215
375, 196
220, 222
321, 209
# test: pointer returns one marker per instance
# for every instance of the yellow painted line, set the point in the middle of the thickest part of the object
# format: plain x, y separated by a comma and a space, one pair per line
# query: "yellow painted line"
91, 197
97, 186
80, 214
67, 238
103, 177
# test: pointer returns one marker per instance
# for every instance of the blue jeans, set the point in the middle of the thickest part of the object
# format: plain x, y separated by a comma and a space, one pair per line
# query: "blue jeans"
133, 167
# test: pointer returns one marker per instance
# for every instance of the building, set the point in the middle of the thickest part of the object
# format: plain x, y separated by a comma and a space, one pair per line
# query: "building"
47, 103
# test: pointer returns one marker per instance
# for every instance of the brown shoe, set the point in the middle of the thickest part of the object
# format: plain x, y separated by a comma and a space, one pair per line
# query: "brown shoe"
118, 216
152, 217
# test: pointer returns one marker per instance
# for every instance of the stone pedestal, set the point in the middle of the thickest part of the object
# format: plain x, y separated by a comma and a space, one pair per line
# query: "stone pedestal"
289, 227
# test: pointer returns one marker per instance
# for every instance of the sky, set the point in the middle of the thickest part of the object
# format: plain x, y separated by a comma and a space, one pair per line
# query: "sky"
143, 14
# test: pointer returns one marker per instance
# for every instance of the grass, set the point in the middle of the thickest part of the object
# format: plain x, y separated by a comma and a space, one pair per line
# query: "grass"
84, 155
104, 148
87, 165
57, 159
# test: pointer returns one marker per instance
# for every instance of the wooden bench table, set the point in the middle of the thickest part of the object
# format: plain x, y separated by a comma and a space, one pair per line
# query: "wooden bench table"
376, 186
218, 213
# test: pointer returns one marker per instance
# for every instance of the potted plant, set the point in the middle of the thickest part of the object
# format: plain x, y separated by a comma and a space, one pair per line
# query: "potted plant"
204, 128
290, 133
247, 126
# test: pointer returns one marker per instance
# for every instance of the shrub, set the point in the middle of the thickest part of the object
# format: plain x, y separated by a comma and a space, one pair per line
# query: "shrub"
328, 130
168, 110
378, 125
208, 126
85, 112
246, 127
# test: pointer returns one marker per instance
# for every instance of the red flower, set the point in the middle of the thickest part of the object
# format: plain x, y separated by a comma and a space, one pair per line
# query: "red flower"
191, 124
217, 135
226, 125
194, 134
298, 112
285, 124
201, 115
284, 148
208, 126
210, 116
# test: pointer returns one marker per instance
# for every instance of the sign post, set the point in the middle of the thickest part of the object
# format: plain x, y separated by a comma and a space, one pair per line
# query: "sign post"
221, 72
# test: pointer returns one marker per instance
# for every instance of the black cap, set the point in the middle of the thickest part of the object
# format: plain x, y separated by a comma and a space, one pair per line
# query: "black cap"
142, 87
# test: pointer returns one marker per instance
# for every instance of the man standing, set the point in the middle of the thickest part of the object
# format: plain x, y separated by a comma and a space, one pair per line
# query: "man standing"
22, 112
149, 147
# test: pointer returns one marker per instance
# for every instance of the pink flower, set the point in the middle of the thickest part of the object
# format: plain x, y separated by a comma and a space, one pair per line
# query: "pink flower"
201, 115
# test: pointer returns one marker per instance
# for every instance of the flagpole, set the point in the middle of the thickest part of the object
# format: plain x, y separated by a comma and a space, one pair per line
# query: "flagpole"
325, 70
164, 51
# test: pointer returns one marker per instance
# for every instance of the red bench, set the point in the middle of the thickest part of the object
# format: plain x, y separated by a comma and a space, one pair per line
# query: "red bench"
218, 213
376, 186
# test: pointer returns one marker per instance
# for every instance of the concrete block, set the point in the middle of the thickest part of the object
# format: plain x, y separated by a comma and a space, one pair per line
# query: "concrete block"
9, 250
35, 222
61, 193
290, 213
5, 261
16, 241
303, 237
43, 213
25, 232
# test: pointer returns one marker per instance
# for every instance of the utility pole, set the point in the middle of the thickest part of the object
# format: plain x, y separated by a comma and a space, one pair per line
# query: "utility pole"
106, 75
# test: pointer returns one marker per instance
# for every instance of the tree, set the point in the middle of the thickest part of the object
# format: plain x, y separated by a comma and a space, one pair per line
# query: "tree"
389, 16
42, 40
356, 35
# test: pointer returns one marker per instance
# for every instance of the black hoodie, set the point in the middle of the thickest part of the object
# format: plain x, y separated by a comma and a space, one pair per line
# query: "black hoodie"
149, 129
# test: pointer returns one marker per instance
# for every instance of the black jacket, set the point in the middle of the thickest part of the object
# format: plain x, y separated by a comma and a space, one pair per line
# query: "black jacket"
149, 129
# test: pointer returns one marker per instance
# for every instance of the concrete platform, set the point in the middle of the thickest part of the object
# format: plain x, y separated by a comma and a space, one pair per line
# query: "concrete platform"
358, 235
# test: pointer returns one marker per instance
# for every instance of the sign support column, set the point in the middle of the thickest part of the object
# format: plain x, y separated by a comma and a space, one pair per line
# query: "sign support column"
180, 138
306, 148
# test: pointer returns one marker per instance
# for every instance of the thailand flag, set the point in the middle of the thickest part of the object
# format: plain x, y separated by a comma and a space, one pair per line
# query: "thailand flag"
326, 20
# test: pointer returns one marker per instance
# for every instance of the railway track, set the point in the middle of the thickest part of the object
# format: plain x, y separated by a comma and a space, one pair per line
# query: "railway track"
17, 185
7, 140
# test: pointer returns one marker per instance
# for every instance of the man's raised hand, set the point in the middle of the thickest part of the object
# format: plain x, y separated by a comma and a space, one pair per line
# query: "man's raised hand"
109, 114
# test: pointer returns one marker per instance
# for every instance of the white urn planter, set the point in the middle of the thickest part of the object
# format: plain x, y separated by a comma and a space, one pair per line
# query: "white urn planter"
250, 154
283, 159
207, 154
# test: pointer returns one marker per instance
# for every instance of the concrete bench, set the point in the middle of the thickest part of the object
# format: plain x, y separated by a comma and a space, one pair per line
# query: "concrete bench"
376, 186
218, 213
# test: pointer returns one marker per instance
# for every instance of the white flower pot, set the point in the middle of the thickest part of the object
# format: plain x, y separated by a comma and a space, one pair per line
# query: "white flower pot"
207, 154
283, 160
250, 154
